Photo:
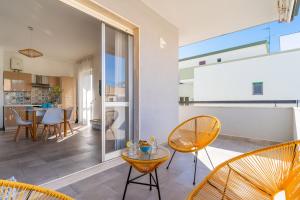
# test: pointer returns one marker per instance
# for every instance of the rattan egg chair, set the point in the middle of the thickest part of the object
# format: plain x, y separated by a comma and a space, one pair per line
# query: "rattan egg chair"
193, 135
262, 174
10, 190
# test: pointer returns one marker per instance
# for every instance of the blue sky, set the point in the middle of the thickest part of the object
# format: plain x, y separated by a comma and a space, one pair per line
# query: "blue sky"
110, 70
270, 31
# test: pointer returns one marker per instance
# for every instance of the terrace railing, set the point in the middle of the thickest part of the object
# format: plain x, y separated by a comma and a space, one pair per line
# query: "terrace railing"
252, 102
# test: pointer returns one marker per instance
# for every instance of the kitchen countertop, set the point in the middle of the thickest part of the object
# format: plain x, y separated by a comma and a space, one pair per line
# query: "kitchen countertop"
22, 105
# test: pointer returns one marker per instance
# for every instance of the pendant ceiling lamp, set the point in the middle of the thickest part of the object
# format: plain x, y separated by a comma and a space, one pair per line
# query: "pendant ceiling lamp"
30, 52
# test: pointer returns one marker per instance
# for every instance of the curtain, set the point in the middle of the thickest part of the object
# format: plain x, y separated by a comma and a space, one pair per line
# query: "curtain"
84, 87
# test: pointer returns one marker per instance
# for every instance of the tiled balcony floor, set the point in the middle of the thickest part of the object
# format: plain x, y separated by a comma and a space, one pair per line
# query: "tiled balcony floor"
175, 183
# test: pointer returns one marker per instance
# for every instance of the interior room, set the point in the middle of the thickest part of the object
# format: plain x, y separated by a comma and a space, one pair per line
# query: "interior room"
51, 56
149, 99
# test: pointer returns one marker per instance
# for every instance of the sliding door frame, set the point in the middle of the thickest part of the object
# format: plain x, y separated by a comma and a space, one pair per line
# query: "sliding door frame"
128, 104
95, 9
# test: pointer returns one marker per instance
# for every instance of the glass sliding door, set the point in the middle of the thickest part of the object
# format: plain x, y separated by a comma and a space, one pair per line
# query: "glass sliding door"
117, 90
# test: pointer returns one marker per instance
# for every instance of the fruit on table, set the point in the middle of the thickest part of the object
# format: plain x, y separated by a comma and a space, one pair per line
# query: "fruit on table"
144, 143
152, 140
129, 144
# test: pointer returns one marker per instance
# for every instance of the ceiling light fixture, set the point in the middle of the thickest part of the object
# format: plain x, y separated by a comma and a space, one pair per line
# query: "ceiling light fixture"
29, 52
287, 9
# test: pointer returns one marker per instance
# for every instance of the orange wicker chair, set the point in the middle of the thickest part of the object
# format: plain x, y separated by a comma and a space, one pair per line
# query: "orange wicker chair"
261, 174
10, 190
193, 135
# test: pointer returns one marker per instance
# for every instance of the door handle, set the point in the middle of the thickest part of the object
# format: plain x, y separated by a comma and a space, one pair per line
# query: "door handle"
100, 87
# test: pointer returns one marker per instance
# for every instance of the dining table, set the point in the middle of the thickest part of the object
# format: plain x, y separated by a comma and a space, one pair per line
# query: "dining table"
33, 113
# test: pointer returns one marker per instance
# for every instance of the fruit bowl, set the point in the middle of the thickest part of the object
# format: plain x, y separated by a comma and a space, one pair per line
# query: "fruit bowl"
145, 147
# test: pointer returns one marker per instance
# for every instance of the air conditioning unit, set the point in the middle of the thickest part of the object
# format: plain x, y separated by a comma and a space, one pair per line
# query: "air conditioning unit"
16, 64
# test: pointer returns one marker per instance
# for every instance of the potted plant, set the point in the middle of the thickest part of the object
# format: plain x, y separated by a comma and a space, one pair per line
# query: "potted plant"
55, 93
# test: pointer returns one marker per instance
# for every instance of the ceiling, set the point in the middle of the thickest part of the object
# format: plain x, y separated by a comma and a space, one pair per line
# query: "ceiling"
60, 32
53, 21
202, 19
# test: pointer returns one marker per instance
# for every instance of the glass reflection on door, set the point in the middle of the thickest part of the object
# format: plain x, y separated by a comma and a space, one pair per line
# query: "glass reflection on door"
117, 72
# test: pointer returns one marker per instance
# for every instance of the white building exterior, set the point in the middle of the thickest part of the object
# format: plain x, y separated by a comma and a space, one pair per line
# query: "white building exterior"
187, 66
233, 80
240, 52
290, 41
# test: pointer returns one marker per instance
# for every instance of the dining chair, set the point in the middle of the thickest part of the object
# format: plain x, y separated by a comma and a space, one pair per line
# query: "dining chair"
268, 173
21, 123
193, 135
52, 118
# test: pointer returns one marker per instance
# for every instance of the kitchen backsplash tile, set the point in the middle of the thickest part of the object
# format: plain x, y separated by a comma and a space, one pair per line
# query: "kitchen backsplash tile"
19, 97
36, 96
39, 95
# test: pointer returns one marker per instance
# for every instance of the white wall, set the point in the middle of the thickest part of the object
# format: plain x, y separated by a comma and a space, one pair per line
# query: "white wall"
158, 67
233, 80
186, 90
271, 124
42, 65
260, 49
1, 87
296, 123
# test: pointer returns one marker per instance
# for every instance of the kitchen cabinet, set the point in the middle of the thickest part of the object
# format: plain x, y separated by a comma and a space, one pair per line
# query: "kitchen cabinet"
16, 81
54, 81
68, 95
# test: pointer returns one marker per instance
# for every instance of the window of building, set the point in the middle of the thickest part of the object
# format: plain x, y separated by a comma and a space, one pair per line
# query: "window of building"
219, 60
257, 88
203, 62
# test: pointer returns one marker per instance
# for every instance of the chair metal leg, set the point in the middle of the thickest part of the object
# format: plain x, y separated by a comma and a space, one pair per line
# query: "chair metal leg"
159, 197
127, 182
195, 171
209, 158
150, 181
171, 160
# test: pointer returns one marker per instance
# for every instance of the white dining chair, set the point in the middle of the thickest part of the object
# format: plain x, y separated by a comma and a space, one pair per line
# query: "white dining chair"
21, 123
52, 118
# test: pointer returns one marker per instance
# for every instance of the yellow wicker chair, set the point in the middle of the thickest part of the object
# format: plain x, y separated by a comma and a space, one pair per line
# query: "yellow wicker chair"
193, 135
10, 190
262, 174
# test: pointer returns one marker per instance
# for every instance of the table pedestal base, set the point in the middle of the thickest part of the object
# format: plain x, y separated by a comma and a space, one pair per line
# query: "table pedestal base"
151, 177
